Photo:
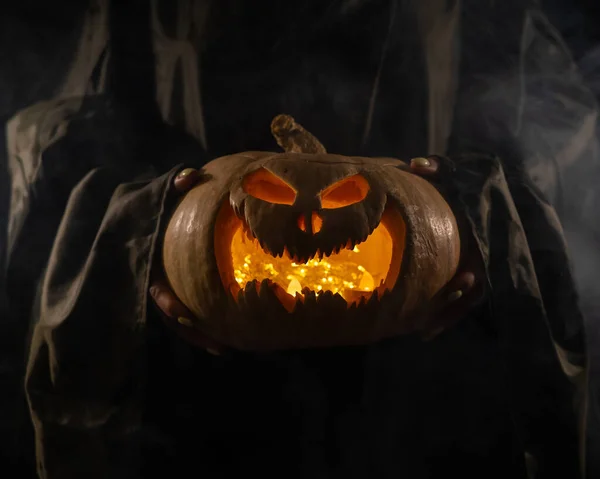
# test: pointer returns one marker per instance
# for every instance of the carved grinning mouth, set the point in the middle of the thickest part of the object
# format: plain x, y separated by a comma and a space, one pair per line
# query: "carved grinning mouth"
357, 271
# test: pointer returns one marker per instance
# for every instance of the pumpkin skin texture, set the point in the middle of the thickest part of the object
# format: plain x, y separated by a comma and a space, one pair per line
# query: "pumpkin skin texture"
264, 215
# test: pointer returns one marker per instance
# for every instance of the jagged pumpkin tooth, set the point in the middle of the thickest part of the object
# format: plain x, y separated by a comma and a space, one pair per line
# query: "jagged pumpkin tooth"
287, 300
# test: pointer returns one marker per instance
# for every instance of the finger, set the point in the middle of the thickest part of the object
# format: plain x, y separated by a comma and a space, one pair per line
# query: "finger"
186, 179
186, 329
167, 302
451, 304
460, 285
449, 318
178, 318
424, 166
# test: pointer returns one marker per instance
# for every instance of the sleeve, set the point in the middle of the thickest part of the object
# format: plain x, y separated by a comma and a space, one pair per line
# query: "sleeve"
85, 210
534, 312
51, 147
86, 369
48, 153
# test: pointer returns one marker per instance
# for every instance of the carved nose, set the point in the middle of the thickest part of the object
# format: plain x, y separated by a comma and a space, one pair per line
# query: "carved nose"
310, 223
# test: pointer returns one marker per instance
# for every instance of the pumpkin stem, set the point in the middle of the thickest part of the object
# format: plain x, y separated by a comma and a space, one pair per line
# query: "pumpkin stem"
293, 138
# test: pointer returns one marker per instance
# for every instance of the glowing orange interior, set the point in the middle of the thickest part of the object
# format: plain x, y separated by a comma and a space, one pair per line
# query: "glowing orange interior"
264, 185
316, 222
354, 272
361, 269
348, 191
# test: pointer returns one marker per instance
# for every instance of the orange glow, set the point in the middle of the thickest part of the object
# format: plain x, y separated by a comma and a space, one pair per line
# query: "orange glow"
346, 192
264, 185
350, 272
316, 222
354, 273
302, 223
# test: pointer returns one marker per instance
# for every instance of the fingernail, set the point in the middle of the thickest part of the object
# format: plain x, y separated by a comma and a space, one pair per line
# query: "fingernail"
186, 172
186, 322
214, 352
420, 162
152, 291
455, 295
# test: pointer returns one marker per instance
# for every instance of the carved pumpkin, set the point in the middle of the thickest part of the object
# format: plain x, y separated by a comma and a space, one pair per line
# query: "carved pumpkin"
308, 249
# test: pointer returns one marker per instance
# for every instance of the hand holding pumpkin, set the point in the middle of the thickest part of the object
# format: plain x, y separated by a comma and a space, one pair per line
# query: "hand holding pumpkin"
307, 249
465, 289
176, 315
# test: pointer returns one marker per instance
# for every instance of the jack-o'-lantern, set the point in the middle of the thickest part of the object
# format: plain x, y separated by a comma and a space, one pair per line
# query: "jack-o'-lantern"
308, 249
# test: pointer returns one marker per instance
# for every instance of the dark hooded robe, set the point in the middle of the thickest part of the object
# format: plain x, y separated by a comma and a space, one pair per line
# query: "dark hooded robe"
114, 394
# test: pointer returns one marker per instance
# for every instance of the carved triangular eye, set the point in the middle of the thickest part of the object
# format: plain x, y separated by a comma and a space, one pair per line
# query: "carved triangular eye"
348, 191
264, 185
